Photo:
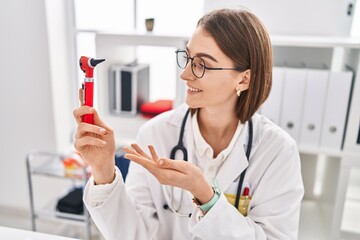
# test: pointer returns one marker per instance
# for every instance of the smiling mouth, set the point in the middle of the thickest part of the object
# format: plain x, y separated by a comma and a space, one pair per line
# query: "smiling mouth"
191, 89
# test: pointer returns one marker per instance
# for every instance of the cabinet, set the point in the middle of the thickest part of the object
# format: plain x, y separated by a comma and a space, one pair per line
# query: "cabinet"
333, 53
325, 171
49, 165
121, 48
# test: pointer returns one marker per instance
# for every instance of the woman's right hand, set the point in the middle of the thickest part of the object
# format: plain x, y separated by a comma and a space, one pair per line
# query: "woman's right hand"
96, 144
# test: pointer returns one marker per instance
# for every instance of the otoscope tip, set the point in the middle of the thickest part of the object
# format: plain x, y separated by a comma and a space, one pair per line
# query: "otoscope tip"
95, 62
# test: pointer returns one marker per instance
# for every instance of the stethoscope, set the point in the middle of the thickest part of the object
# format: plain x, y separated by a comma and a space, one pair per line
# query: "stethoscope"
180, 147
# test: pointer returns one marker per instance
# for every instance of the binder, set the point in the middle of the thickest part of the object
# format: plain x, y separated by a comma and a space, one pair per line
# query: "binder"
336, 109
313, 108
271, 108
293, 96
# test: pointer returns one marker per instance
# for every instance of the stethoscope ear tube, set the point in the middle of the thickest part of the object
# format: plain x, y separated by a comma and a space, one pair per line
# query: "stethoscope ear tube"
180, 145
242, 176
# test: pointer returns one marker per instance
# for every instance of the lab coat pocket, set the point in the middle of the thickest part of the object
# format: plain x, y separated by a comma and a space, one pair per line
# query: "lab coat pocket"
243, 203
245, 198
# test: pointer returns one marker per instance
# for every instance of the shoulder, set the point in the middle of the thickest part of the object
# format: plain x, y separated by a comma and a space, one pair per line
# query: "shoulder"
274, 148
268, 133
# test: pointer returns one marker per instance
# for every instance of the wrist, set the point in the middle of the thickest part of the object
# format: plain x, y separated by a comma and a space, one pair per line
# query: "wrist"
206, 206
103, 175
204, 195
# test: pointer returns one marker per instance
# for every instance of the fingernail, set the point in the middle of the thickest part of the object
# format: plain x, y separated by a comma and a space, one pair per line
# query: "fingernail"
102, 130
161, 162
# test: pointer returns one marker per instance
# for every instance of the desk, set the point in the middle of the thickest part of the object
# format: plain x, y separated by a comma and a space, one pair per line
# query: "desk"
19, 234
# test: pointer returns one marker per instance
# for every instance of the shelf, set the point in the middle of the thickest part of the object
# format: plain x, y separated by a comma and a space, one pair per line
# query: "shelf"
51, 214
143, 39
327, 152
315, 41
277, 40
49, 211
53, 167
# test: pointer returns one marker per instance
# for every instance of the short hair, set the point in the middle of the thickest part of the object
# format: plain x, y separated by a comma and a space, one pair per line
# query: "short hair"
245, 40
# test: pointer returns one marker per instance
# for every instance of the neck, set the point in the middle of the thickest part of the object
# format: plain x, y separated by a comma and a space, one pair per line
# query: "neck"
217, 128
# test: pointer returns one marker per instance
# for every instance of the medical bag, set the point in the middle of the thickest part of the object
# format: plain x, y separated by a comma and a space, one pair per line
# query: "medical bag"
71, 202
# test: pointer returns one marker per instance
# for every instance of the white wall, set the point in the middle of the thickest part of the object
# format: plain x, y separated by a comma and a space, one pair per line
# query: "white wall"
26, 106
63, 66
305, 17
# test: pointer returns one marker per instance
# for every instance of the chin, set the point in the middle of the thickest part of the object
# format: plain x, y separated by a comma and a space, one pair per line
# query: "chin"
192, 104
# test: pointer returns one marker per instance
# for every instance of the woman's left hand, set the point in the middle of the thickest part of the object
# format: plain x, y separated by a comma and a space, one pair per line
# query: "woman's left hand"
177, 173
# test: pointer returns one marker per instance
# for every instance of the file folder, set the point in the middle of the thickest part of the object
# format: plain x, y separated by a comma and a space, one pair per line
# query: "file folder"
313, 109
272, 106
293, 96
336, 109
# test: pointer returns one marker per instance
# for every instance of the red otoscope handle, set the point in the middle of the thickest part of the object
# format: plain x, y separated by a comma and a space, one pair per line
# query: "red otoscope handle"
87, 65
88, 97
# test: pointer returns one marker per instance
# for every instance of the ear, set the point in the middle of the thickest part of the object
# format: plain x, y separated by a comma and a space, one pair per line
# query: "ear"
243, 81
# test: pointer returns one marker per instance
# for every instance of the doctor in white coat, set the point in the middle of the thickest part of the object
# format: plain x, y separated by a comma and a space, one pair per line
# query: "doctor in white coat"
240, 176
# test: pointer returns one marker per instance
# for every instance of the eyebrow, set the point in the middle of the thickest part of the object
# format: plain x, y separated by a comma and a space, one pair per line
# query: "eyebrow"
203, 55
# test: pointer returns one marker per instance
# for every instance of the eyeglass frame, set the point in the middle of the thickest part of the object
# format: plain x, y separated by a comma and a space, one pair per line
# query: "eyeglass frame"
205, 67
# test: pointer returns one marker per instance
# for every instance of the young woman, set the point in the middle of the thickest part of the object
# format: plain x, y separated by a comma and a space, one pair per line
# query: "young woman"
237, 175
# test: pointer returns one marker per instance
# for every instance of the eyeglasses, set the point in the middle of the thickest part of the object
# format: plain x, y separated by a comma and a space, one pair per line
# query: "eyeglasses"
198, 66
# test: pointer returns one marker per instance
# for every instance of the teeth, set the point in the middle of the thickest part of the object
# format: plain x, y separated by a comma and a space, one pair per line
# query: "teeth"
194, 89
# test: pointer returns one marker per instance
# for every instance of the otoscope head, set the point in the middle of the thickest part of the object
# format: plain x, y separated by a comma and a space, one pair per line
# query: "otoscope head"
87, 65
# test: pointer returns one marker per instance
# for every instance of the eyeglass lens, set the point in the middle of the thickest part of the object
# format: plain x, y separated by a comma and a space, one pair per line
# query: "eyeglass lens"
197, 63
182, 59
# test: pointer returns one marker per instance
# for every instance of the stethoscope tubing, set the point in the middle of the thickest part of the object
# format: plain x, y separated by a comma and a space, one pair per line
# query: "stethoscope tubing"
180, 146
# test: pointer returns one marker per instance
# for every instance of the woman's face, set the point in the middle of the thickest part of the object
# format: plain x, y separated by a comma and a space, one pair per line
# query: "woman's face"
217, 88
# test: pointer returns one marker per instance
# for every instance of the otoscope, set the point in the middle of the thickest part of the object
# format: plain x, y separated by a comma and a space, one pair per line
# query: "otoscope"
87, 65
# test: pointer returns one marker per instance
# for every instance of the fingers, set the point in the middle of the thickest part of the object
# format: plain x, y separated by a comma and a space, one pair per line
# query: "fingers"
131, 151
81, 111
146, 163
140, 151
153, 153
85, 141
85, 128
89, 135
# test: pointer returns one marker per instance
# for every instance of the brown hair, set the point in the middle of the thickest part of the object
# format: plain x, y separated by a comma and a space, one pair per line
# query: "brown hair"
244, 39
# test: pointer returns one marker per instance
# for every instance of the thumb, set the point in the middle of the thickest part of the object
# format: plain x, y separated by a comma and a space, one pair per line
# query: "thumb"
178, 165
81, 97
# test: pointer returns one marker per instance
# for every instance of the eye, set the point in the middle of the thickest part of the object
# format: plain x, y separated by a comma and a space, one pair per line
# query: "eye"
201, 65
198, 63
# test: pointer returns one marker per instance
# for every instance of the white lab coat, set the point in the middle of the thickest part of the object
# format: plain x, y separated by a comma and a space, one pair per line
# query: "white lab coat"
135, 210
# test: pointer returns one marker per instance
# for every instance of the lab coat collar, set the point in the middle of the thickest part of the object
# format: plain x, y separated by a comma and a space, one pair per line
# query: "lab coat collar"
235, 163
177, 117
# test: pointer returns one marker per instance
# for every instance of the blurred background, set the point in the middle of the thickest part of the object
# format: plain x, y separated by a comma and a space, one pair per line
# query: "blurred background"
316, 46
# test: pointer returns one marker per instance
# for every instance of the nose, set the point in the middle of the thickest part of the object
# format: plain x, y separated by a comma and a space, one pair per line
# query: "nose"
187, 74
